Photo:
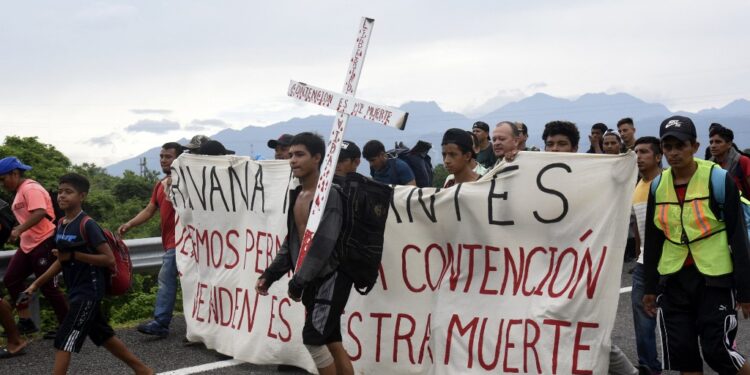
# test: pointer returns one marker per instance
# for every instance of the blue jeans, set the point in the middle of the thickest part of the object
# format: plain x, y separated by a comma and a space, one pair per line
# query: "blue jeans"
167, 293
645, 326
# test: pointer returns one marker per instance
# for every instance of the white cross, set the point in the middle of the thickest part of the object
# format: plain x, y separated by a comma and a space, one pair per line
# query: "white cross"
346, 105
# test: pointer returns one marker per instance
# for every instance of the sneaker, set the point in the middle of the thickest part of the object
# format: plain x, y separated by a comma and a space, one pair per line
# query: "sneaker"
26, 326
153, 328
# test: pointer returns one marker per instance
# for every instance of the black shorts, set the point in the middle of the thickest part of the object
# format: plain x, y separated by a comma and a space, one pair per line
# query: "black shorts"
695, 318
84, 318
324, 302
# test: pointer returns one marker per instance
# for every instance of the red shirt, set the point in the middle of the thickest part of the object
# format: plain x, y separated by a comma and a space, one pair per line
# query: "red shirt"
744, 164
166, 211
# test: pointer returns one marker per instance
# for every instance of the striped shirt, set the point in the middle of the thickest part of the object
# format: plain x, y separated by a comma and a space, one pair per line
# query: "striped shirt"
640, 201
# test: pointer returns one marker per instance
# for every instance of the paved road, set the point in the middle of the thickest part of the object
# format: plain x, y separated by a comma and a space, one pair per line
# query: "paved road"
170, 354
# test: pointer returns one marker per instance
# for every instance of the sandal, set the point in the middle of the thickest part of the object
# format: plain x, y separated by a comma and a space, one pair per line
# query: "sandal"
5, 353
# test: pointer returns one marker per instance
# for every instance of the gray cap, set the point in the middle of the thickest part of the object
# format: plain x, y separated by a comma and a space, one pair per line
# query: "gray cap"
196, 142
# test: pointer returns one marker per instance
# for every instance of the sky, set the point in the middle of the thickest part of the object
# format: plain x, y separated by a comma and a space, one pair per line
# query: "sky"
105, 80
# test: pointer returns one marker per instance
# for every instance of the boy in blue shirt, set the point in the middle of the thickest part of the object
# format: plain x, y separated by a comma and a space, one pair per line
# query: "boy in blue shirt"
384, 170
83, 256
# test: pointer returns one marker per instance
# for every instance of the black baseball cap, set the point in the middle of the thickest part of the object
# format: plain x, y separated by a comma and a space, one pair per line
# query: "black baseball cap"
214, 148
481, 125
349, 150
284, 140
680, 127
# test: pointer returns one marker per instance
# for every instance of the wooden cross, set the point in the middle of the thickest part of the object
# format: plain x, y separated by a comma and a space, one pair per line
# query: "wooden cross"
346, 105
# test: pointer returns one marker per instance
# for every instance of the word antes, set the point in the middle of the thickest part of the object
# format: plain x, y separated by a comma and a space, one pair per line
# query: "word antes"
496, 195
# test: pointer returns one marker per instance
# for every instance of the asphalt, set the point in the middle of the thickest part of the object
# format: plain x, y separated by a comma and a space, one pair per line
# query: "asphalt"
170, 353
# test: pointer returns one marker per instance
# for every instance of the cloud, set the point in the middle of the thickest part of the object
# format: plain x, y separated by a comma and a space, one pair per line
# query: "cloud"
148, 111
200, 125
153, 126
537, 86
105, 140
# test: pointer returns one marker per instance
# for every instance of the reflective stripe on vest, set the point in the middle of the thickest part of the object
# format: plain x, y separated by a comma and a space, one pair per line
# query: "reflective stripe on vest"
691, 227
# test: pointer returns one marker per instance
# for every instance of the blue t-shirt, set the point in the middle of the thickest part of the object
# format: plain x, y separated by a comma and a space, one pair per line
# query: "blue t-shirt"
396, 172
83, 281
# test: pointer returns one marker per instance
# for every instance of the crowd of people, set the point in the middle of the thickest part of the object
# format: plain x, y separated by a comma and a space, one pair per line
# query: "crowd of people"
692, 252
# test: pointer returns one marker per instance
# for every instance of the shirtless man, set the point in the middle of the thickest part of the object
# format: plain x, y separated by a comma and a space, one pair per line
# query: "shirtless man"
318, 283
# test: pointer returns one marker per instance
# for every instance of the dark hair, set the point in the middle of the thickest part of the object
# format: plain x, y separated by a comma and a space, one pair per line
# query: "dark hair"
524, 129
78, 182
565, 128
173, 146
461, 139
626, 120
313, 142
725, 133
372, 149
513, 127
614, 133
600, 126
649, 140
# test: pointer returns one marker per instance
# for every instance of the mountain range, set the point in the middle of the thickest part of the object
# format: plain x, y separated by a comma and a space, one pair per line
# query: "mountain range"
427, 121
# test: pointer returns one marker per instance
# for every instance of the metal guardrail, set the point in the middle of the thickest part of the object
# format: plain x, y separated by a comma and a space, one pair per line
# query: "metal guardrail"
146, 254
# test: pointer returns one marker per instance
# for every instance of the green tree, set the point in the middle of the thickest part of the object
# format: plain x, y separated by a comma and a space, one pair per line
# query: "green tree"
47, 163
132, 186
439, 175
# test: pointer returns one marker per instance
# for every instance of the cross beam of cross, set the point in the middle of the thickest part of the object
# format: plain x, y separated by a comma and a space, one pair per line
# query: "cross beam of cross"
345, 104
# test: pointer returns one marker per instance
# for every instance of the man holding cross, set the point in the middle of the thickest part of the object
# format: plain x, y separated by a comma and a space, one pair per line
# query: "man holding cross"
317, 283
315, 223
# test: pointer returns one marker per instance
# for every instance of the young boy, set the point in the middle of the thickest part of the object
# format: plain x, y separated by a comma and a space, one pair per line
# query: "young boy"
83, 259
318, 283
696, 257
458, 152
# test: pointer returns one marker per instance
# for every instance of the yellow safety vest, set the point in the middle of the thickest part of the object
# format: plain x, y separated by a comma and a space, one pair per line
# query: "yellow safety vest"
692, 226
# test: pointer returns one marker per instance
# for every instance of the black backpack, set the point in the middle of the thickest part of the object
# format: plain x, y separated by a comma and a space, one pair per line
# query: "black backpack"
7, 222
418, 159
59, 213
360, 245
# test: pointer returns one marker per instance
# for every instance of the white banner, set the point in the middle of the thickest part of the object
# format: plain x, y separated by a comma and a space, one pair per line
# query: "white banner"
517, 273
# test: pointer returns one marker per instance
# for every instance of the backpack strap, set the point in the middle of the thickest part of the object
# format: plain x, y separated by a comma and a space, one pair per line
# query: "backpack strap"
85, 219
655, 184
718, 185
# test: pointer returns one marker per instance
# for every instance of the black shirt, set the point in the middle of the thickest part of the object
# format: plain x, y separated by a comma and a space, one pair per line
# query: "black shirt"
83, 281
487, 157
